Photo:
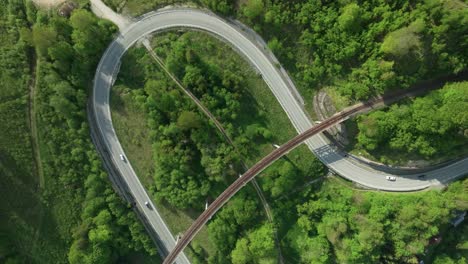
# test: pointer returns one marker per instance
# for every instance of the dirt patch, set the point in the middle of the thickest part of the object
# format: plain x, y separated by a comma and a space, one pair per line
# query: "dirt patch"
48, 3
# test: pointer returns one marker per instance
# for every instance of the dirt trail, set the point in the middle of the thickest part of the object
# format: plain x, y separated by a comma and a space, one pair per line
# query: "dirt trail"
103, 11
33, 65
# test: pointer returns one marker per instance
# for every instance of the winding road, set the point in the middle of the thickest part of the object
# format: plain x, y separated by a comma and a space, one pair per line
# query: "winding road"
107, 71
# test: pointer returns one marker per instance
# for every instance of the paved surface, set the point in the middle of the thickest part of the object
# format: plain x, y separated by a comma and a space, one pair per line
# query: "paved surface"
103, 11
172, 18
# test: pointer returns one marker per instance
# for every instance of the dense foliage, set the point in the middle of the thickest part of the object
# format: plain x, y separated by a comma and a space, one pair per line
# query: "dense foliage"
436, 124
361, 47
386, 45
83, 213
454, 243
104, 228
192, 162
364, 47
184, 141
233, 231
20, 207
190, 157
339, 225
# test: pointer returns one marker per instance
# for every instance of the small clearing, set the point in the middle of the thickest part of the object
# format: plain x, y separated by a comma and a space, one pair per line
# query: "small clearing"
48, 3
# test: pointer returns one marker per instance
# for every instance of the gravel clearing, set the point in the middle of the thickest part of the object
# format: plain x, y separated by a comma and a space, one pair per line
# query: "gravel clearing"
48, 3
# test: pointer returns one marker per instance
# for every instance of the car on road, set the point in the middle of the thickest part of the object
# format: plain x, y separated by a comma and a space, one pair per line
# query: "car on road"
390, 178
148, 205
122, 157
422, 176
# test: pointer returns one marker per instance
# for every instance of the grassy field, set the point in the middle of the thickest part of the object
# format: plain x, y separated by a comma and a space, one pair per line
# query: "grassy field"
25, 221
338, 100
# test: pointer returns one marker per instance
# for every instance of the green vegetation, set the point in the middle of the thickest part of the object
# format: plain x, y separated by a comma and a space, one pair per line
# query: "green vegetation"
257, 247
104, 229
24, 220
184, 143
130, 123
388, 45
339, 225
76, 215
195, 66
454, 249
433, 126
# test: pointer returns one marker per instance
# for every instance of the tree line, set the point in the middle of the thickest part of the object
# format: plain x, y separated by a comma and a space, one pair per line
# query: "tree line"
433, 125
18, 180
92, 222
362, 48
339, 225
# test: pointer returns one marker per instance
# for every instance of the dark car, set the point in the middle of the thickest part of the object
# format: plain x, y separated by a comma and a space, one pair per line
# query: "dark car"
148, 205
422, 176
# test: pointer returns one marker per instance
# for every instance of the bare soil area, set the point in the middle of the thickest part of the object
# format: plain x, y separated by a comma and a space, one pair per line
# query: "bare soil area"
48, 3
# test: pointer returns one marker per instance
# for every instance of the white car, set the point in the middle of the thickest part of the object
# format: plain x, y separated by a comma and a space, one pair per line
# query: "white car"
122, 158
390, 178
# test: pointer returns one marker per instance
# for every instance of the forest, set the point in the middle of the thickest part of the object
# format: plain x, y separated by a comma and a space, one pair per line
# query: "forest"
362, 48
345, 222
63, 208
185, 143
358, 48
76, 216
435, 125
337, 224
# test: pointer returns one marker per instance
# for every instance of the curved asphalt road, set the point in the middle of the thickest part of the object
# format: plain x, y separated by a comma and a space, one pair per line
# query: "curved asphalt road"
191, 18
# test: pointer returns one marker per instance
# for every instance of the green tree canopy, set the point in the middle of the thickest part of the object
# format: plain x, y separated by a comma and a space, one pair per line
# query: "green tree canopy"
43, 37
253, 8
350, 17
188, 120
401, 42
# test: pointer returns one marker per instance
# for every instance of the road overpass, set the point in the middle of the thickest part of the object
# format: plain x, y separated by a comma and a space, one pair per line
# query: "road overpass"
263, 164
